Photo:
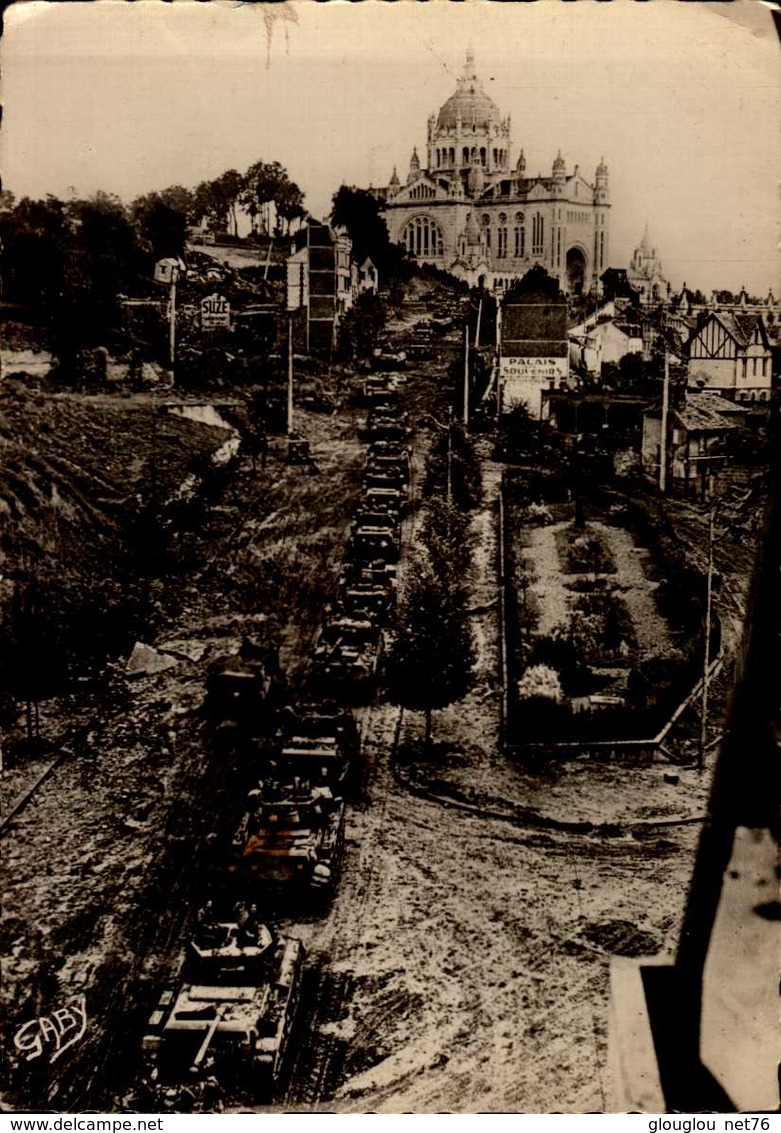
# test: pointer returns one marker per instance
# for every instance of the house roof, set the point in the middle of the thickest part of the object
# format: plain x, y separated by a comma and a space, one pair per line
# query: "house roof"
740, 327
705, 413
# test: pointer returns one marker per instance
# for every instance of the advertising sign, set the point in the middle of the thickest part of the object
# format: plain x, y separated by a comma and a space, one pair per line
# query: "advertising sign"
215, 312
523, 379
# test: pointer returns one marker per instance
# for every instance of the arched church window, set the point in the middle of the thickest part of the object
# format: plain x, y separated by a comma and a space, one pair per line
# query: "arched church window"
422, 237
452, 156
501, 237
538, 235
482, 155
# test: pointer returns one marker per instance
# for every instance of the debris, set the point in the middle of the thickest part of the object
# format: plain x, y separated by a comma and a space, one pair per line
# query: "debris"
145, 661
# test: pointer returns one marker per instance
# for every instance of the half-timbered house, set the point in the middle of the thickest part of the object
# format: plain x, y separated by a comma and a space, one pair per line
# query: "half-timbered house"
730, 354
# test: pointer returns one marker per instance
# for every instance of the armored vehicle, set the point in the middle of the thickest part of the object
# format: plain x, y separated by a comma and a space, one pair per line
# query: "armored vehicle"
317, 744
374, 542
389, 500
374, 571
347, 653
290, 841
387, 359
227, 1022
366, 600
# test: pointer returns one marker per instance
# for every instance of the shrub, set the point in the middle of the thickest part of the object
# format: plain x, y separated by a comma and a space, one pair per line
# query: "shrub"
540, 682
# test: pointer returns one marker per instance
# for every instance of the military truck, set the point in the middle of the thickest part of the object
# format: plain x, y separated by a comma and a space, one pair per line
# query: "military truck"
243, 689
227, 1022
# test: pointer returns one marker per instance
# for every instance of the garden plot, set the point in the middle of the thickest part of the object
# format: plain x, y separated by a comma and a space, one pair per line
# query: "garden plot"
586, 636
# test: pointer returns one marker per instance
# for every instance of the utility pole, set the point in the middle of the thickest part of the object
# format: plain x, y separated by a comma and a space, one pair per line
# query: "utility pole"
477, 329
706, 648
466, 370
172, 321
290, 374
663, 437
268, 257
498, 361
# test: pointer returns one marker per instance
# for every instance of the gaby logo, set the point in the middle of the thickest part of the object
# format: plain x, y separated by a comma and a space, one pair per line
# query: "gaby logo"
55, 1032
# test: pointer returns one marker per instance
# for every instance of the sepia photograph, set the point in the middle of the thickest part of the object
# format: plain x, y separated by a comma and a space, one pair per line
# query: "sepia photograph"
389, 557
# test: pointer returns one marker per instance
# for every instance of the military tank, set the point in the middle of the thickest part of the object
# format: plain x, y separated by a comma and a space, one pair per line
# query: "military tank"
226, 1025
317, 743
290, 840
348, 651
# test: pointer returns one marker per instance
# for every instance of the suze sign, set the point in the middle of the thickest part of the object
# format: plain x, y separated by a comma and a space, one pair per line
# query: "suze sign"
215, 312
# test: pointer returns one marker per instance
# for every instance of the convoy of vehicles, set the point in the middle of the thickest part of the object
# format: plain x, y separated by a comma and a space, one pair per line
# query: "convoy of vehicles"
227, 1021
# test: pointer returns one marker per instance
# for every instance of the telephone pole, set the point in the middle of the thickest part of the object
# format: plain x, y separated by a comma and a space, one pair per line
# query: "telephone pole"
663, 437
466, 371
290, 374
706, 648
172, 322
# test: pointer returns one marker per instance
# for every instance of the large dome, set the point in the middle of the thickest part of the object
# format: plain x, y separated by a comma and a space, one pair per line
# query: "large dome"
470, 103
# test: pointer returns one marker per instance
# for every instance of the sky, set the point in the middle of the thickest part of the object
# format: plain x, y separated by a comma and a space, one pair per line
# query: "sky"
681, 99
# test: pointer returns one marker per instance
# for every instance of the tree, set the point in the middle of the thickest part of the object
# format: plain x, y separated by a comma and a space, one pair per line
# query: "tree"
289, 203
432, 655
358, 211
32, 658
452, 457
360, 328
180, 199
69, 262
163, 227
265, 183
446, 533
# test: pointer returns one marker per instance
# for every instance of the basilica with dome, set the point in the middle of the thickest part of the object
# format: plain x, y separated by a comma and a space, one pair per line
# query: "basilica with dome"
473, 213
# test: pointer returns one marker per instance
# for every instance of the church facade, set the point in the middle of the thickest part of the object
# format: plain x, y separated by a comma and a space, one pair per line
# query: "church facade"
470, 212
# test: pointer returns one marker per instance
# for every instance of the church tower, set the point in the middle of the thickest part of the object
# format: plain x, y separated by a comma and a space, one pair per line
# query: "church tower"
469, 132
468, 209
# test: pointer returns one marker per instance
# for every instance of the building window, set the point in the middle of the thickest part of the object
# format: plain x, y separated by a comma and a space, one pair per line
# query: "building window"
465, 156
422, 237
501, 237
538, 235
482, 155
